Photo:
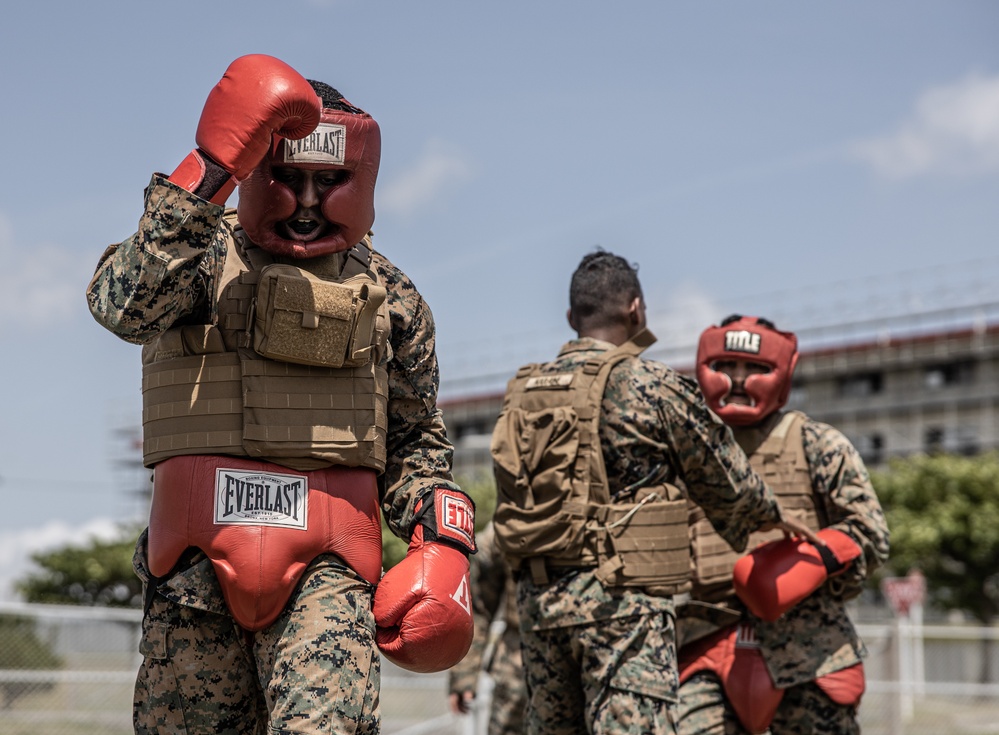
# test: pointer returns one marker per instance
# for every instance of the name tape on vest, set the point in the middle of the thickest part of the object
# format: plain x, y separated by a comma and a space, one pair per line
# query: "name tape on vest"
559, 380
261, 499
325, 144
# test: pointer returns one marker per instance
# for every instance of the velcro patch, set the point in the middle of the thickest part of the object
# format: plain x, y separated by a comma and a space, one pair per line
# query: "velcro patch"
261, 499
326, 144
455, 517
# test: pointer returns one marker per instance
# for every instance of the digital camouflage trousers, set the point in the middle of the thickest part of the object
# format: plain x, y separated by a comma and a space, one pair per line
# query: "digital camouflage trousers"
610, 677
315, 670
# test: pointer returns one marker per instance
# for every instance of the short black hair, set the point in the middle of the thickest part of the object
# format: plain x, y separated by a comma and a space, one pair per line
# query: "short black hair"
602, 287
332, 99
761, 320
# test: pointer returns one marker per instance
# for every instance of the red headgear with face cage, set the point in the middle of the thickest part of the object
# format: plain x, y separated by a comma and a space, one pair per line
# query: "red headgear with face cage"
755, 340
347, 140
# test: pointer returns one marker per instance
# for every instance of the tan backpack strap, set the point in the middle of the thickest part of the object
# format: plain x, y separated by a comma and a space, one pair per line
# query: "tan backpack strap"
639, 343
539, 575
358, 260
588, 400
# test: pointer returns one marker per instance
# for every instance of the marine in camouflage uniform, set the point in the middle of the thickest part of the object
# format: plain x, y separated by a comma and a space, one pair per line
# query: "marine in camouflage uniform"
315, 669
815, 638
494, 597
601, 659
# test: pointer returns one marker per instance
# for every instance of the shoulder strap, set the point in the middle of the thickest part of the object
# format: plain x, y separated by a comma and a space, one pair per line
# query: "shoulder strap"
587, 400
358, 260
786, 435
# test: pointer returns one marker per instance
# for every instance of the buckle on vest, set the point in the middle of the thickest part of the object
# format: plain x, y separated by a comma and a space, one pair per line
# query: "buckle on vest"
539, 572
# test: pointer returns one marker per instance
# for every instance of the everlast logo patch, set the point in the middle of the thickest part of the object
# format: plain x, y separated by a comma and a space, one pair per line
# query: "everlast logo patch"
325, 144
260, 499
742, 341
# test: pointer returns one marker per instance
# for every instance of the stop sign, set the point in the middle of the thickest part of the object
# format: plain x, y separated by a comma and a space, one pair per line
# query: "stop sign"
904, 592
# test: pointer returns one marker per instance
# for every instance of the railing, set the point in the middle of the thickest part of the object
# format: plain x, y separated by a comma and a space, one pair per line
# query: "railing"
921, 679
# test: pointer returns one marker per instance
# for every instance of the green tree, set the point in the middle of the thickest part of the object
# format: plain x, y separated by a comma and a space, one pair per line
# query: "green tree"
22, 649
96, 573
943, 512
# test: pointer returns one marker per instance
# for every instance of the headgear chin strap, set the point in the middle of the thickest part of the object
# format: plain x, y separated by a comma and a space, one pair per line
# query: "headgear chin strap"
344, 140
755, 340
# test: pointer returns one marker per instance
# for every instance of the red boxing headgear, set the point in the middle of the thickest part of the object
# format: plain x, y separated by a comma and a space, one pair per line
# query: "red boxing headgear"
755, 340
346, 139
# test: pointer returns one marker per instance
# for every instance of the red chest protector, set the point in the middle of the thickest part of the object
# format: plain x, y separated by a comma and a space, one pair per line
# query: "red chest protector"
261, 524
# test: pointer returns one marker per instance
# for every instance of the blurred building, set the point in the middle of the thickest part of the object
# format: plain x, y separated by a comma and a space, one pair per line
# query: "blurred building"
892, 396
926, 394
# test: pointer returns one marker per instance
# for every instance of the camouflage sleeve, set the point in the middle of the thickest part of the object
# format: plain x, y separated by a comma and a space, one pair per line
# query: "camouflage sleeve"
712, 466
419, 452
488, 575
843, 487
163, 272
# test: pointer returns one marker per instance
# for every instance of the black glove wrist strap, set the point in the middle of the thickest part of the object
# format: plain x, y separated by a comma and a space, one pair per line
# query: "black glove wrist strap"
215, 178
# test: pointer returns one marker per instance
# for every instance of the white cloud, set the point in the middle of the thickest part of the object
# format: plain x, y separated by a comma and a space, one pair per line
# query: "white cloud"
40, 284
438, 170
953, 129
688, 312
17, 547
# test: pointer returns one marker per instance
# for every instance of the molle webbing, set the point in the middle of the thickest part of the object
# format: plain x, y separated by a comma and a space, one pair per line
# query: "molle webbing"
192, 405
554, 507
206, 391
644, 544
780, 461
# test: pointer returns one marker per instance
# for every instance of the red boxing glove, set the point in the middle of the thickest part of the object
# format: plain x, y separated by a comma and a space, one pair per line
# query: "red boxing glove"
422, 605
776, 576
258, 96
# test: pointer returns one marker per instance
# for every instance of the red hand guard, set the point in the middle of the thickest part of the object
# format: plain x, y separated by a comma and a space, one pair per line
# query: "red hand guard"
776, 576
422, 607
257, 97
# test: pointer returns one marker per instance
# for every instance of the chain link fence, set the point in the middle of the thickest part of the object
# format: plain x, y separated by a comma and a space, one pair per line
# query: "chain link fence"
70, 669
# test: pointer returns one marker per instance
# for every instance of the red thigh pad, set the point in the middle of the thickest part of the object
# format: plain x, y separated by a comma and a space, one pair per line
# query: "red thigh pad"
845, 686
733, 655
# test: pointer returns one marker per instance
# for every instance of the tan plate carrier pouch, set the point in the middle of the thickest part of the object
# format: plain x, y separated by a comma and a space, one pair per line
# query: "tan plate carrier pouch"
780, 461
304, 319
554, 507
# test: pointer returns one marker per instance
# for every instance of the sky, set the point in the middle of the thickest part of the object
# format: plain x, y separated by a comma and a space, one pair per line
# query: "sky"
823, 160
